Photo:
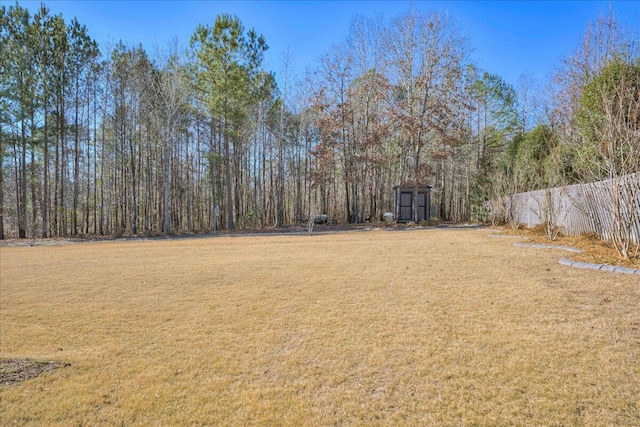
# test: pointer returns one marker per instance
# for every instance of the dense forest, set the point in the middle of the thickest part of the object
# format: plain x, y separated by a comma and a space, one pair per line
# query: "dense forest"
112, 140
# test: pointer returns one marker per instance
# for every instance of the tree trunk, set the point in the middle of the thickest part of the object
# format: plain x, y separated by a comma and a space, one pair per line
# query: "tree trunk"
76, 163
227, 172
443, 205
134, 187
32, 178
2, 145
165, 188
22, 190
62, 223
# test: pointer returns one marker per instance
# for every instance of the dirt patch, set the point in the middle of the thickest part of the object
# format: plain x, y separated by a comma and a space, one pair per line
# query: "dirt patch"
18, 370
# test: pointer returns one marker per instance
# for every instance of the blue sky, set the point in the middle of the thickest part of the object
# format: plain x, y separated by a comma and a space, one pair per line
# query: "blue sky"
508, 38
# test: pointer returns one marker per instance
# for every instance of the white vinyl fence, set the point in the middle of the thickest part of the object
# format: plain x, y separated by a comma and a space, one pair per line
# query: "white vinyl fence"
609, 208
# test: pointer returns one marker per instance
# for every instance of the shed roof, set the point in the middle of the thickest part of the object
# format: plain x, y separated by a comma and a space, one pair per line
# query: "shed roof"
410, 185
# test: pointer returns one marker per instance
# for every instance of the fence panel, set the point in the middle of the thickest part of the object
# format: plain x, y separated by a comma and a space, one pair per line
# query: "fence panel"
606, 208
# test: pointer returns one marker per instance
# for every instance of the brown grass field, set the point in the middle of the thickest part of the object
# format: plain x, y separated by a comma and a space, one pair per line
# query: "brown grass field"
435, 327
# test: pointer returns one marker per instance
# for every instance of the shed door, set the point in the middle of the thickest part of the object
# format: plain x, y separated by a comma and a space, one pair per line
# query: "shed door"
422, 206
406, 206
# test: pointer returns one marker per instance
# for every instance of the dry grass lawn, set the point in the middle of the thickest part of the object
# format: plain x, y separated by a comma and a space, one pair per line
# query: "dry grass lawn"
431, 327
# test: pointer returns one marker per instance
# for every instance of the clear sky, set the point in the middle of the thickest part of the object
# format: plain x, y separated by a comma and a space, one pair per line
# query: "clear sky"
508, 38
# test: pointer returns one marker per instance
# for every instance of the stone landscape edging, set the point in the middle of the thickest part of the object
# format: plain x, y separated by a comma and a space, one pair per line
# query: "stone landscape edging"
601, 267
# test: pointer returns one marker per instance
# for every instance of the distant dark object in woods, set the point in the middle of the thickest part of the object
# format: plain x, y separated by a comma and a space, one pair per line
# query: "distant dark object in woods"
320, 219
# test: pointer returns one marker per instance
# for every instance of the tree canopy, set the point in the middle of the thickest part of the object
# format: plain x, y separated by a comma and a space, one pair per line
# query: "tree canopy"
113, 139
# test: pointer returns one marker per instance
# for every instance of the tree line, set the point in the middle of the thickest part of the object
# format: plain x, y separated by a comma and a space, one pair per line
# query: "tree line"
112, 140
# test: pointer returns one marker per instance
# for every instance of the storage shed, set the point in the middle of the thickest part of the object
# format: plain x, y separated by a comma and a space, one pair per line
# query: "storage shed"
413, 202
